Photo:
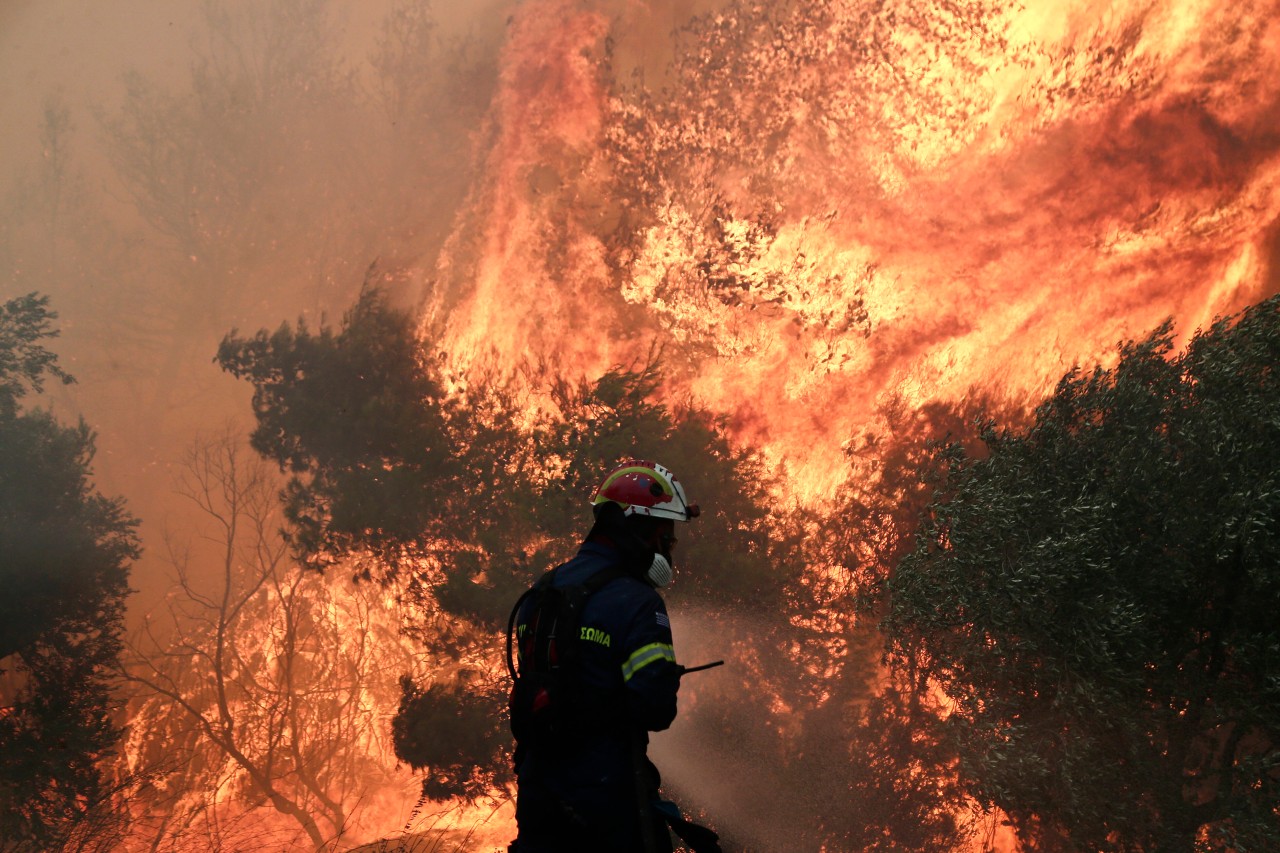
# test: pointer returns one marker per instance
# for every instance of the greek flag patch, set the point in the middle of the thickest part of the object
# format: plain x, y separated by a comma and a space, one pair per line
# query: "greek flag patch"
663, 620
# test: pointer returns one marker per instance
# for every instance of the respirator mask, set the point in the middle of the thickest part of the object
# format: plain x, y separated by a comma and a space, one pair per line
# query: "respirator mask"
653, 565
660, 573
661, 570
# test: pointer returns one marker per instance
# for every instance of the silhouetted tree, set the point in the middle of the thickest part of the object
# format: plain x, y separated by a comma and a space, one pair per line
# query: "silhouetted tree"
264, 681
1096, 601
449, 730
64, 571
359, 419
461, 499
467, 486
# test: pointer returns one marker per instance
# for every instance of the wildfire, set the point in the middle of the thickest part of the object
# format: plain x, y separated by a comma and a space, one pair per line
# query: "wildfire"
839, 203
825, 206
819, 208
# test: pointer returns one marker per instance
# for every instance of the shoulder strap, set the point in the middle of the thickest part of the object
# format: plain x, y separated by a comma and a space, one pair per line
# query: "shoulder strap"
575, 599
603, 578
559, 646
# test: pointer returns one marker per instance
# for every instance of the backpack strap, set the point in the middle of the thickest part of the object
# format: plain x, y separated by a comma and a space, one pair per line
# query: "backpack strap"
549, 696
568, 650
576, 599
604, 577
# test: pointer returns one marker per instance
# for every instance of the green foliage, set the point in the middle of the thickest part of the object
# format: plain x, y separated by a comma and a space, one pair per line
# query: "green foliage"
1097, 598
357, 416
64, 574
451, 732
24, 322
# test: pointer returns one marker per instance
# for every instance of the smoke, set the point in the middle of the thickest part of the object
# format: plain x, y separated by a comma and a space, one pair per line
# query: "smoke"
715, 775
814, 208
174, 171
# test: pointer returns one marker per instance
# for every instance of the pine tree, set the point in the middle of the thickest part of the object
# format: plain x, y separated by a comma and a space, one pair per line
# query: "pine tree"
64, 571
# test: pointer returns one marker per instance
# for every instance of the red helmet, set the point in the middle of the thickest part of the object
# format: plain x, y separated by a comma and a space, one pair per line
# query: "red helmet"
645, 488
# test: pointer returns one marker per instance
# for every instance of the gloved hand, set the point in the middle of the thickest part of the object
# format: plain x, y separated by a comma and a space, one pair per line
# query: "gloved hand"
699, 838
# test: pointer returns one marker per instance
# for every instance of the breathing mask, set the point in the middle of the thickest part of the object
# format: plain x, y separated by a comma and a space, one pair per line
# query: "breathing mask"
660, 572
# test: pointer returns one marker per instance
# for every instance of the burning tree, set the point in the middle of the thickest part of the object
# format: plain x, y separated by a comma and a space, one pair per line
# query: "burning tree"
263, 690
465, 494
871, 734
66, 553
1095, 597
459, 498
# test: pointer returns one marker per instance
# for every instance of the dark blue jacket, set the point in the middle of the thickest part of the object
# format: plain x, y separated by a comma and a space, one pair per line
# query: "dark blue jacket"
625, 647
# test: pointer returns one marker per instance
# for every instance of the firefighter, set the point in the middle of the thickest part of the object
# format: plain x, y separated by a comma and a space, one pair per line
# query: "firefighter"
583, 705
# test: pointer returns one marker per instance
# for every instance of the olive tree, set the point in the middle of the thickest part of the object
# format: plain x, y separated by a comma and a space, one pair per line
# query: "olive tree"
1095, 597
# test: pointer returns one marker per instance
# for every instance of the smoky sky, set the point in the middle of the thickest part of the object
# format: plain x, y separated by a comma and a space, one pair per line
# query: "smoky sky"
103, 106
296, 190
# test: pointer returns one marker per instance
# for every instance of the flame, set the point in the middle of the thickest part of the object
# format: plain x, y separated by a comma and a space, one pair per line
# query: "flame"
548, 103
826, 206
976, 197
345, 654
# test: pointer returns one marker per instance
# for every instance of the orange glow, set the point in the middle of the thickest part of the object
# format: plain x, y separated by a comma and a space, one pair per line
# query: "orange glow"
344, 654
548, 101
995, 199
887, 201
896, 202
